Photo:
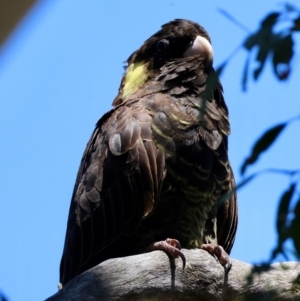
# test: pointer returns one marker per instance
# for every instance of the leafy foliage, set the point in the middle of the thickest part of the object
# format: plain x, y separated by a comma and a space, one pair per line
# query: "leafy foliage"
288, 216
274, 39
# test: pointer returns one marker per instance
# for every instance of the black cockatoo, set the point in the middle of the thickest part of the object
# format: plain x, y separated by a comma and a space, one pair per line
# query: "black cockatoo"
156, 166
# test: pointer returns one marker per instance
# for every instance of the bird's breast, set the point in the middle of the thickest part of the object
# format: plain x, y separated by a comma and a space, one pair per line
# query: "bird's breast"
195, 175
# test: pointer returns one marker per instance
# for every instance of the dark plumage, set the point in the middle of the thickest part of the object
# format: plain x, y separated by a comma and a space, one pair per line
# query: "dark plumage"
157, 164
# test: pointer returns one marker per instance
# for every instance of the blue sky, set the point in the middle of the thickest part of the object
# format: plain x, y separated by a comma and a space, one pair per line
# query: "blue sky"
60, 71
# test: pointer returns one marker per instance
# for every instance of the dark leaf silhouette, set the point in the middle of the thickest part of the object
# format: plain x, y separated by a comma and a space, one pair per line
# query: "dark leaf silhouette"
283, 210
264, 39
270, 43
263, 143
251, 41
283, 53
220, 69
296, 26
282, 223
295, 226
270, 20
262, 54
245, 74
228, 195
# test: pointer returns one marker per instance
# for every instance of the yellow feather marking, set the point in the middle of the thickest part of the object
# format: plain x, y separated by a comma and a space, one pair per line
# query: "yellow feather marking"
135, 76
160, 133
181, 121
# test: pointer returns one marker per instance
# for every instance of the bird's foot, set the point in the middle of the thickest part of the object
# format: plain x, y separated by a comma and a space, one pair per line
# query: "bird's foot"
171, 246
219, 253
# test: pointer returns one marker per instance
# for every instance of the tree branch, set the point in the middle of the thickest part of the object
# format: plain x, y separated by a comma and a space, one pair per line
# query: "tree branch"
153, 276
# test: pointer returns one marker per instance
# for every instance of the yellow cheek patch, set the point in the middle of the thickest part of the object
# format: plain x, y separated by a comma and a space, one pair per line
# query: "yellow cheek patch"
134, 78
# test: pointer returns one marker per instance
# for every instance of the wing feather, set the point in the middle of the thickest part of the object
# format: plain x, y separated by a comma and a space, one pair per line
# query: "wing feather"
117, 185
227, 219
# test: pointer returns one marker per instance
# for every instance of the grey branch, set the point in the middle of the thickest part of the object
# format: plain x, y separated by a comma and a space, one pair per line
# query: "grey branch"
153, 276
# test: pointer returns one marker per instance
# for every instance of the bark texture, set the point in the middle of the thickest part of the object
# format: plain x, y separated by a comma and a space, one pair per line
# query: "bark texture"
152, 276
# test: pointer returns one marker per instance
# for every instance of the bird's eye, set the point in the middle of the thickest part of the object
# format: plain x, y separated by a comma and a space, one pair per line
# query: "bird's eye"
162, 45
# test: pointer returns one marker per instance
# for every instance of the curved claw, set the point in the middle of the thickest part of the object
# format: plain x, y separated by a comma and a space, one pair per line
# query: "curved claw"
227, 266
171, 247
218, 252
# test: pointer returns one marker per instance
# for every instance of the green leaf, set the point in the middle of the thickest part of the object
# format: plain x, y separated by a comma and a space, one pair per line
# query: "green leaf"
263, 143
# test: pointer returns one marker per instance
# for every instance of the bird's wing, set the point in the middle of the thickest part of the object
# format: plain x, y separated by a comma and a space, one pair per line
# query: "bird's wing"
227, 219
117, 184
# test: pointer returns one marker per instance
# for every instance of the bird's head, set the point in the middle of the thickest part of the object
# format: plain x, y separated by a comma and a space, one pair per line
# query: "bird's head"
176, 40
